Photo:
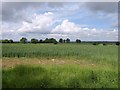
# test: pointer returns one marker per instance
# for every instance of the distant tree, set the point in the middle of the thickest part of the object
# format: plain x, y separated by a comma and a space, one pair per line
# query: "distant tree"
117, 43
50, 40
64, 40
60, 40
11, 41
55, 42
104, 43
67, 40
46, 40
5, 41
78, 41
33, 40
95, 43
41, 41
23, 40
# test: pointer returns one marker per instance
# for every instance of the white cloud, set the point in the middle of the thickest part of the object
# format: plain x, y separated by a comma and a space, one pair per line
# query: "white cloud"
7, 32
42, 26
6, 29
73, 30
66, 28
40, 23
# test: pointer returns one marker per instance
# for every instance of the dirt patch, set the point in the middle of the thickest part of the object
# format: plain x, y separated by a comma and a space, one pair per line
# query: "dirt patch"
12, 62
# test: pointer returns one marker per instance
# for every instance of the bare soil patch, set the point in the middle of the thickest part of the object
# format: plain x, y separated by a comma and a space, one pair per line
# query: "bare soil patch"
12, 62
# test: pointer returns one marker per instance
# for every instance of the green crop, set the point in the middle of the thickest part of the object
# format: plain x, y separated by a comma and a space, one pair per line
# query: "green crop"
98, 54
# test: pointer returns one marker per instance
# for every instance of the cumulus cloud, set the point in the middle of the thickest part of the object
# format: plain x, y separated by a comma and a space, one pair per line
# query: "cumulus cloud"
66, 28
61, 20
40, 27
73, 30
40, 23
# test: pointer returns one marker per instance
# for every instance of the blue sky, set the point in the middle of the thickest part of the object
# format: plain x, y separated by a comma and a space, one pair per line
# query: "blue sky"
86, 21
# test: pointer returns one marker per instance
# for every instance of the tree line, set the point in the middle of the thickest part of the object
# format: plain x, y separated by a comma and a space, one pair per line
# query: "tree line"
53, 40
34, 40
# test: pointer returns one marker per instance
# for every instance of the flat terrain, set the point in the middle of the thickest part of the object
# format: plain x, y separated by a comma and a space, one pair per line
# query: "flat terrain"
61, 65
13, 62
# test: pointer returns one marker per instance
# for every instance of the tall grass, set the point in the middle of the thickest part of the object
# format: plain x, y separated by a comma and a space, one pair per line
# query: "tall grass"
64, 76
59, 76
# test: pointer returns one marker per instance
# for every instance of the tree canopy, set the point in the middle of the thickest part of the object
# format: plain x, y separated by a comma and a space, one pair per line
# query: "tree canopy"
50, 40
60, 40
67, 40
33, 40
23, 40
6, 41
78, 41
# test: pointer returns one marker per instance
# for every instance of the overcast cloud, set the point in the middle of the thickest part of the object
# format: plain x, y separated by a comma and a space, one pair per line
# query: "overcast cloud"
86, 21
111, 7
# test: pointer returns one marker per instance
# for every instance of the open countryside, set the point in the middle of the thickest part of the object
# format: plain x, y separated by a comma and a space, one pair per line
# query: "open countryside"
65, 65
59, 45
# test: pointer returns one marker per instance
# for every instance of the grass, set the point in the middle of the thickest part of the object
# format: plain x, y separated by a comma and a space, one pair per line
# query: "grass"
62, 65
65, 76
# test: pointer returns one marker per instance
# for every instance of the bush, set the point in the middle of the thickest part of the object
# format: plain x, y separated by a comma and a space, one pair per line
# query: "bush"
117, 43
6, 41
78, 41
95, 43
33, 40
55, 42
104, 44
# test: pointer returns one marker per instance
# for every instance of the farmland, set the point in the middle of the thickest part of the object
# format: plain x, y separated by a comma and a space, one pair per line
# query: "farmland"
62, 65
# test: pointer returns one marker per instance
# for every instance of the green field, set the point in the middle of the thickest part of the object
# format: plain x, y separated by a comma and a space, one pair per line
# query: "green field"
63, 65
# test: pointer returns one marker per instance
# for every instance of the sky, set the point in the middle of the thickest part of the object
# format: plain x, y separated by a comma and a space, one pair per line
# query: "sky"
87, 21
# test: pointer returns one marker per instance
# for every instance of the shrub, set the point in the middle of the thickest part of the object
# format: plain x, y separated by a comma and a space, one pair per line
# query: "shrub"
95, 43
104, 44
117, 43
23, 40
33, 40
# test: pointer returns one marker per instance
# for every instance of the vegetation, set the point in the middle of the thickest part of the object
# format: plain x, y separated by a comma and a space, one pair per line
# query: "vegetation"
54, 76
41, 41
6, 41
78, 41
53, 40
64, 41
60, 40
23, 40
96, 43
60, 51
68, 66
34, 40
67, 40
69, 51
117, 43
104, 44
50, 40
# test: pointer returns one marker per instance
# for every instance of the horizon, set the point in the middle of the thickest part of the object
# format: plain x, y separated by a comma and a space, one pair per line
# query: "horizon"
63, 39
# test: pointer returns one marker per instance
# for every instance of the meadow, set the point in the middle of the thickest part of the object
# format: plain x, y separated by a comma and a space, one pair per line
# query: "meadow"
61, 65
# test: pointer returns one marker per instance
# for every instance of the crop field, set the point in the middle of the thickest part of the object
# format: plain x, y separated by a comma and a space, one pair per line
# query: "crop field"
61, 65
